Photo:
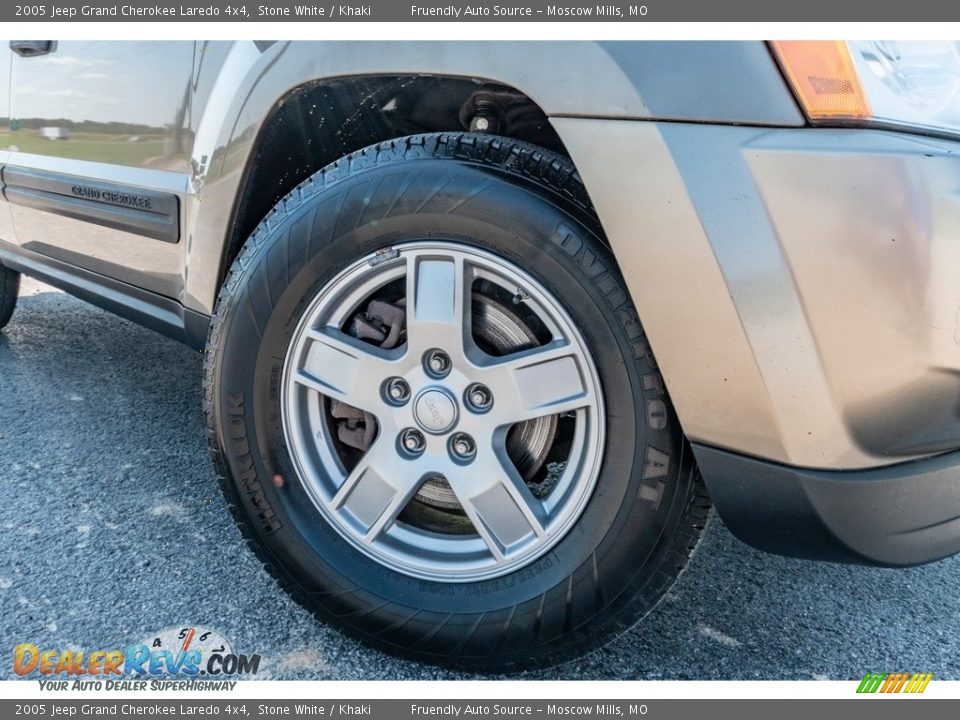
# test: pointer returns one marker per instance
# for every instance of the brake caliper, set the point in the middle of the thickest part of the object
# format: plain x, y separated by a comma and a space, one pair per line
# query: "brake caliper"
381, 323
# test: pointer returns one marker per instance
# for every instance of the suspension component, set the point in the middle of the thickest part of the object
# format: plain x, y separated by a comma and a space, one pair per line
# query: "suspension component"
485, 118
504, 112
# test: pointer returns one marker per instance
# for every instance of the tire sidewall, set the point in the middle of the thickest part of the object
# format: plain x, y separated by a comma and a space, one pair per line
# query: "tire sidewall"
619, 534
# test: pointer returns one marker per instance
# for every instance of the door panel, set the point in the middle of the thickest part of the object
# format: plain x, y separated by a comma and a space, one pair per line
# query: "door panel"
107, 126
6, 57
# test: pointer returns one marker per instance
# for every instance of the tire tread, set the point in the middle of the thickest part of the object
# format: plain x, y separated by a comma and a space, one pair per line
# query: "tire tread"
9, 289
521, 161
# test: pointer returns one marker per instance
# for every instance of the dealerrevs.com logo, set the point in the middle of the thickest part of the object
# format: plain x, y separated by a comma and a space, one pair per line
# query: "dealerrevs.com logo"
186, 652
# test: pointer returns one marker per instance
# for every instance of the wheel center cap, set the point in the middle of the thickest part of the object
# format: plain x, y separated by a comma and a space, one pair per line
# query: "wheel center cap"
435, 410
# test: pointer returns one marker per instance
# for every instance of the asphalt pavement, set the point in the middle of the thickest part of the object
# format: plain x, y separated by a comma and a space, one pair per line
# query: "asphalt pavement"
114, 529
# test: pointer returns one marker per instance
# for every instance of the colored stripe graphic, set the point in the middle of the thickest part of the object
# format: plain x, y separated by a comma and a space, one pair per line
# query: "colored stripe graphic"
188, 639
870, 683
894, 683
919, 682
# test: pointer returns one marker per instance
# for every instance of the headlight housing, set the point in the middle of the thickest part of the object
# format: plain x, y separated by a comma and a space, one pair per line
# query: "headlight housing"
913, 85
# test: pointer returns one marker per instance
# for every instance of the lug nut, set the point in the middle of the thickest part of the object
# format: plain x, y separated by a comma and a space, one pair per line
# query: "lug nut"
437, 363
412, 442
478, 398
397, 390
462, 447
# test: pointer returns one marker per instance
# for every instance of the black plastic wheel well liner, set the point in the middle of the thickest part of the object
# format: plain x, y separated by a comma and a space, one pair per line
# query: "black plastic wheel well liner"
318, 123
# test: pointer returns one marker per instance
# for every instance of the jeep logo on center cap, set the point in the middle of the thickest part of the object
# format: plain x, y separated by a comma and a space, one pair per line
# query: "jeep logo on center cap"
435, 410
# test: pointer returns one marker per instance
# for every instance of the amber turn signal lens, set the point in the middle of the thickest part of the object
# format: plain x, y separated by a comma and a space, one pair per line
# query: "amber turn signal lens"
824, 78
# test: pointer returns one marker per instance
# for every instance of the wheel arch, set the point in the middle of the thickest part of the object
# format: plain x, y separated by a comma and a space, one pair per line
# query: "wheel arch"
318, 123
608, 129
257, 111
254, 81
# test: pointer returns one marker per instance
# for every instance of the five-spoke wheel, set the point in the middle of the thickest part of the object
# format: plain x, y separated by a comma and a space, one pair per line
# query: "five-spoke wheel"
483, 418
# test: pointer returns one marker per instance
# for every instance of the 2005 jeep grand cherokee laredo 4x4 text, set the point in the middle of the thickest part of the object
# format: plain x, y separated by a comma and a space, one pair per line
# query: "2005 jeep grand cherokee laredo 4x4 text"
419, 272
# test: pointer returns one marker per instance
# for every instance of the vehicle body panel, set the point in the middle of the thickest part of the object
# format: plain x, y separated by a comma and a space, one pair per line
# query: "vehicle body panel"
6, 60
255, 78
796, 285
198, 108
124, 107
799, 287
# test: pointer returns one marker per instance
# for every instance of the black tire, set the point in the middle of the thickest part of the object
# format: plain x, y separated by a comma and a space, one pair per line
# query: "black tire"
9, 288
649, 506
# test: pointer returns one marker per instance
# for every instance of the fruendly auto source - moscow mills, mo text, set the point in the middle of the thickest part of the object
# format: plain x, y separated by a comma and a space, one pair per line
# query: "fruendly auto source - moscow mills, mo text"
318, 11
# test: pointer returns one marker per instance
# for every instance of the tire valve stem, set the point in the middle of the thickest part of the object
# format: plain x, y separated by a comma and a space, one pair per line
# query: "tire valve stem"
520, 296
382, 255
